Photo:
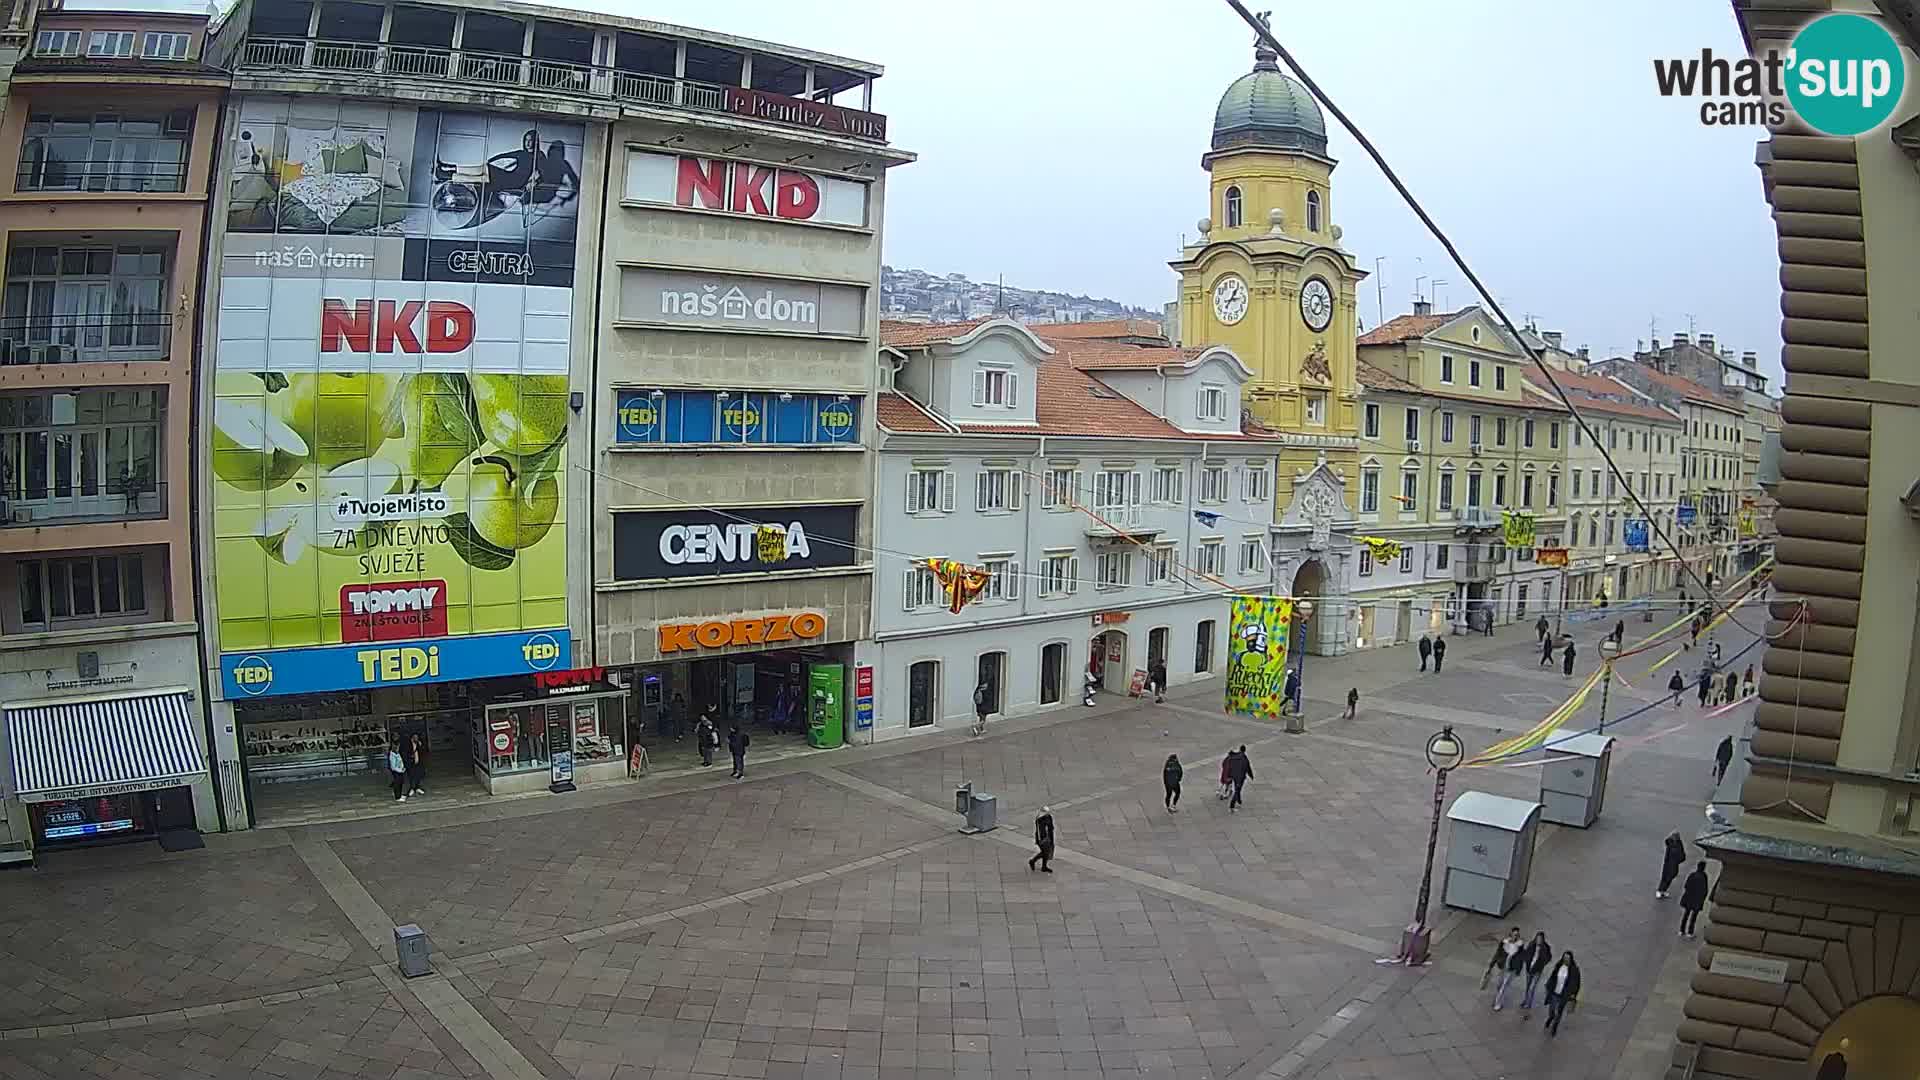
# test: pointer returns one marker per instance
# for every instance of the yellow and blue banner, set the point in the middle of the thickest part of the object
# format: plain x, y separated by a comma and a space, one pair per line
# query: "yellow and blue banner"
1257, 654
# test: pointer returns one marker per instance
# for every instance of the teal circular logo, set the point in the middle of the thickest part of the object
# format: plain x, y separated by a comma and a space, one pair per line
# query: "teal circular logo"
1845, 74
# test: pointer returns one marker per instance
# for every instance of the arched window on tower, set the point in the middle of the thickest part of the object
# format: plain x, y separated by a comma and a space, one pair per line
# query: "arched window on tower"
1233, 208
1313, 211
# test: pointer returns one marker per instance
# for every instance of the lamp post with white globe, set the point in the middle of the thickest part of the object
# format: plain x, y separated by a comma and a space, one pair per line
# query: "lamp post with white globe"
1445, 754
1296, 641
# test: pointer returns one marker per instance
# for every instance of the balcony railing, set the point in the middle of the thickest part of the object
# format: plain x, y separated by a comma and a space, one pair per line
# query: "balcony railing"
73, 339
553, 76
55, 500
100, 176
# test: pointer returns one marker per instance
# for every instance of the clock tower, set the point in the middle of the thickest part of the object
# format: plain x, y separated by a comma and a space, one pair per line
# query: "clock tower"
1269, 279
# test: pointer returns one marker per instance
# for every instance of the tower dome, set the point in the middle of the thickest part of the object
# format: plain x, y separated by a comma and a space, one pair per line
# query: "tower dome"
1264, 108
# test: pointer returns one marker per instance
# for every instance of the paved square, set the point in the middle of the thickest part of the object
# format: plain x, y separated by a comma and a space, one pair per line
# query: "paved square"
823, 919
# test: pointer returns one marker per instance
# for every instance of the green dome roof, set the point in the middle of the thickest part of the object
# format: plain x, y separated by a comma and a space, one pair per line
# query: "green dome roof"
1266, 108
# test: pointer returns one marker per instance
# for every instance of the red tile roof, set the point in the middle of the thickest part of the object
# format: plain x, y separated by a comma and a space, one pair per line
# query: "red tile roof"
898, 412
1401, 327
908, 335
1102, 329
1374, 378
1686, 387
1097, 355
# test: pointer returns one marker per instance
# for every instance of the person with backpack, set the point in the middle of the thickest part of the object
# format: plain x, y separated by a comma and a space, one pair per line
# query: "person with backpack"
737, 742
982, 705
1239, 771
1170, 775
1670, 862
1676, 686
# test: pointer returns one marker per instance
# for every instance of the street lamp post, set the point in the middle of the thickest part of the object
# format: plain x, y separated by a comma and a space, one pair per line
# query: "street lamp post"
1609, 649
1302, 611
1445, 754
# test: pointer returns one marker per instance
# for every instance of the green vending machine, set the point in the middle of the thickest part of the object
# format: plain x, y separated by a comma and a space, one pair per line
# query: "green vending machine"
826, 705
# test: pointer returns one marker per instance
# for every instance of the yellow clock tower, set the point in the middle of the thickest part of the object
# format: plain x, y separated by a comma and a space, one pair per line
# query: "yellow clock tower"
1268, 277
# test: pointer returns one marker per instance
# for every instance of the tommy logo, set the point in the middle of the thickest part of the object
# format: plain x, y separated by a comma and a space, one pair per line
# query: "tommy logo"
393, 611
393, 326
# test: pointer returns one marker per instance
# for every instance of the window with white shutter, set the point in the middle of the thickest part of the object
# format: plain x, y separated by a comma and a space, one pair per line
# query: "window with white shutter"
929, 491
997, 489
920, 590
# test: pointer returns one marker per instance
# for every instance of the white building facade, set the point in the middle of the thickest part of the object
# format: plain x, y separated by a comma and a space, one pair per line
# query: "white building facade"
1109, 491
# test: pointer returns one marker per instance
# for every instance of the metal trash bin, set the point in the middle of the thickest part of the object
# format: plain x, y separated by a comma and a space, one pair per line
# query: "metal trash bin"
414, 951
981, 810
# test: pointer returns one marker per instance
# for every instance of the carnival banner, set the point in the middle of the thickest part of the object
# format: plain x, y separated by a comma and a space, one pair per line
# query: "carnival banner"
1748, 527
963, 583
1550, 556
1518, 528
1384, 551
1257, 654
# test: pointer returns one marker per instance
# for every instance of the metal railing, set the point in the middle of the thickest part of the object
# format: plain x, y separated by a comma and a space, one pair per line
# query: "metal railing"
72, 500
75, 339
465, 65
100, 176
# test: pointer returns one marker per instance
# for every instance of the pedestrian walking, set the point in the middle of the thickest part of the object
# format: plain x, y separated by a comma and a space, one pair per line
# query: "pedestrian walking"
1239, 771
1619, 631
1722, 757
1170, 775
1157, 675
1713, 653
1486, 622
707, 738
674, 716
1508, 961
1676, 686
1043, 839
1563, 989
1226, 776
1693, 897
417, 766
1706, 683
1698, 625
1426, 650
1353, 701
737, 742
1539, 956
1566, 659
1670, 863
1290, 694
1746, 684
1540, 627
1439, 654
1547, 645
397, 766
982, 705
1733, 687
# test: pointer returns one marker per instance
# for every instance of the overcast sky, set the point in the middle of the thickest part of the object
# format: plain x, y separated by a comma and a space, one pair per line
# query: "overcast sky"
1060, 141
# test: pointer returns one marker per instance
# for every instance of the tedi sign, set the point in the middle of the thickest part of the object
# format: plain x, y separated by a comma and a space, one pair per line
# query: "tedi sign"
1843, 75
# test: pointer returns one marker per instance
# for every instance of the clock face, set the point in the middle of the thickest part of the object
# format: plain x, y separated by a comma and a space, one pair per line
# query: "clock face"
1230, 299
1316, 304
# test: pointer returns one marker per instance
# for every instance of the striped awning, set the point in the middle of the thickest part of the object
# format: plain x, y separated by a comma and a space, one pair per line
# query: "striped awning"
75, 750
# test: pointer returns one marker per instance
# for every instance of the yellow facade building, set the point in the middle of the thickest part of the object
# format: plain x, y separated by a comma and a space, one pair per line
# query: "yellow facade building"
1462, 465
1268, 279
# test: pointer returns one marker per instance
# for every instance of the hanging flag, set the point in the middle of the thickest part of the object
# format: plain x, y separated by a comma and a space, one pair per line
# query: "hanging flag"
963, 583
1384, 551
1550, 556
1634, 532
1748, 527
1257, 654
1686, 514
770, 544
1518, 528
1206, 517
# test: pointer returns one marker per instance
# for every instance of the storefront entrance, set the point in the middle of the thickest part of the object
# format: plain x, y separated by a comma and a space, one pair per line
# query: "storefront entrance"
773, 696
1107, 659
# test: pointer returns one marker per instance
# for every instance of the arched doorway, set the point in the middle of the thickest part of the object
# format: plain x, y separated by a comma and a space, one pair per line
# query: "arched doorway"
1310, 582
1109, 661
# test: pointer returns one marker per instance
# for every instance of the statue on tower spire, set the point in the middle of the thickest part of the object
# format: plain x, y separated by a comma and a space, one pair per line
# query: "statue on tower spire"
1263, 55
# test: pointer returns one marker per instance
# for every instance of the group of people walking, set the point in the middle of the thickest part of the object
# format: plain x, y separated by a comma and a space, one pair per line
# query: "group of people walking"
1235, 770
1532, 964
1435, 649
1693, 892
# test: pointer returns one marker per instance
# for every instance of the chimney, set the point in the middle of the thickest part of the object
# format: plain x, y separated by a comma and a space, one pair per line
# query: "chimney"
1749, 359
1553, 338
1423, 307
1706, 342
1583, 352
1679, 340
1653, 344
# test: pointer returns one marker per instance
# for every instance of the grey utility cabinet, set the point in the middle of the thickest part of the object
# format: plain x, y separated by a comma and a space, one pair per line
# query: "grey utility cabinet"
1573, 782
1489, 852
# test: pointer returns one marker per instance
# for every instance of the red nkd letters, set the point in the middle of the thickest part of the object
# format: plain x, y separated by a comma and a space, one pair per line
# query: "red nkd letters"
739, 188
390, 326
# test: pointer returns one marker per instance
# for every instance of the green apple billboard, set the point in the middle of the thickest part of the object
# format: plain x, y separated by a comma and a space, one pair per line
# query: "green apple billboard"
388, 431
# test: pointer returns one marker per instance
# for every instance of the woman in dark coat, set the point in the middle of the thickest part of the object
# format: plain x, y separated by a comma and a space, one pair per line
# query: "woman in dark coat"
1170, 774
1563, 989
1670, 864
1539, 955
1693, 897
1566, 660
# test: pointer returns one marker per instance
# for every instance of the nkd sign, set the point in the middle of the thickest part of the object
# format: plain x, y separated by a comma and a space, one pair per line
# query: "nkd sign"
738, 302
725, 186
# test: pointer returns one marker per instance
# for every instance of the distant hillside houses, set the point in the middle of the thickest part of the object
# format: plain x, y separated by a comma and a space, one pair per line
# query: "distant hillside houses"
910, 295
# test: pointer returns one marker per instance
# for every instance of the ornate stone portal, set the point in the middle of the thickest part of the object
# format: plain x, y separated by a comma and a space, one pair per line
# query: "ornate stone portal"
1312, 543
